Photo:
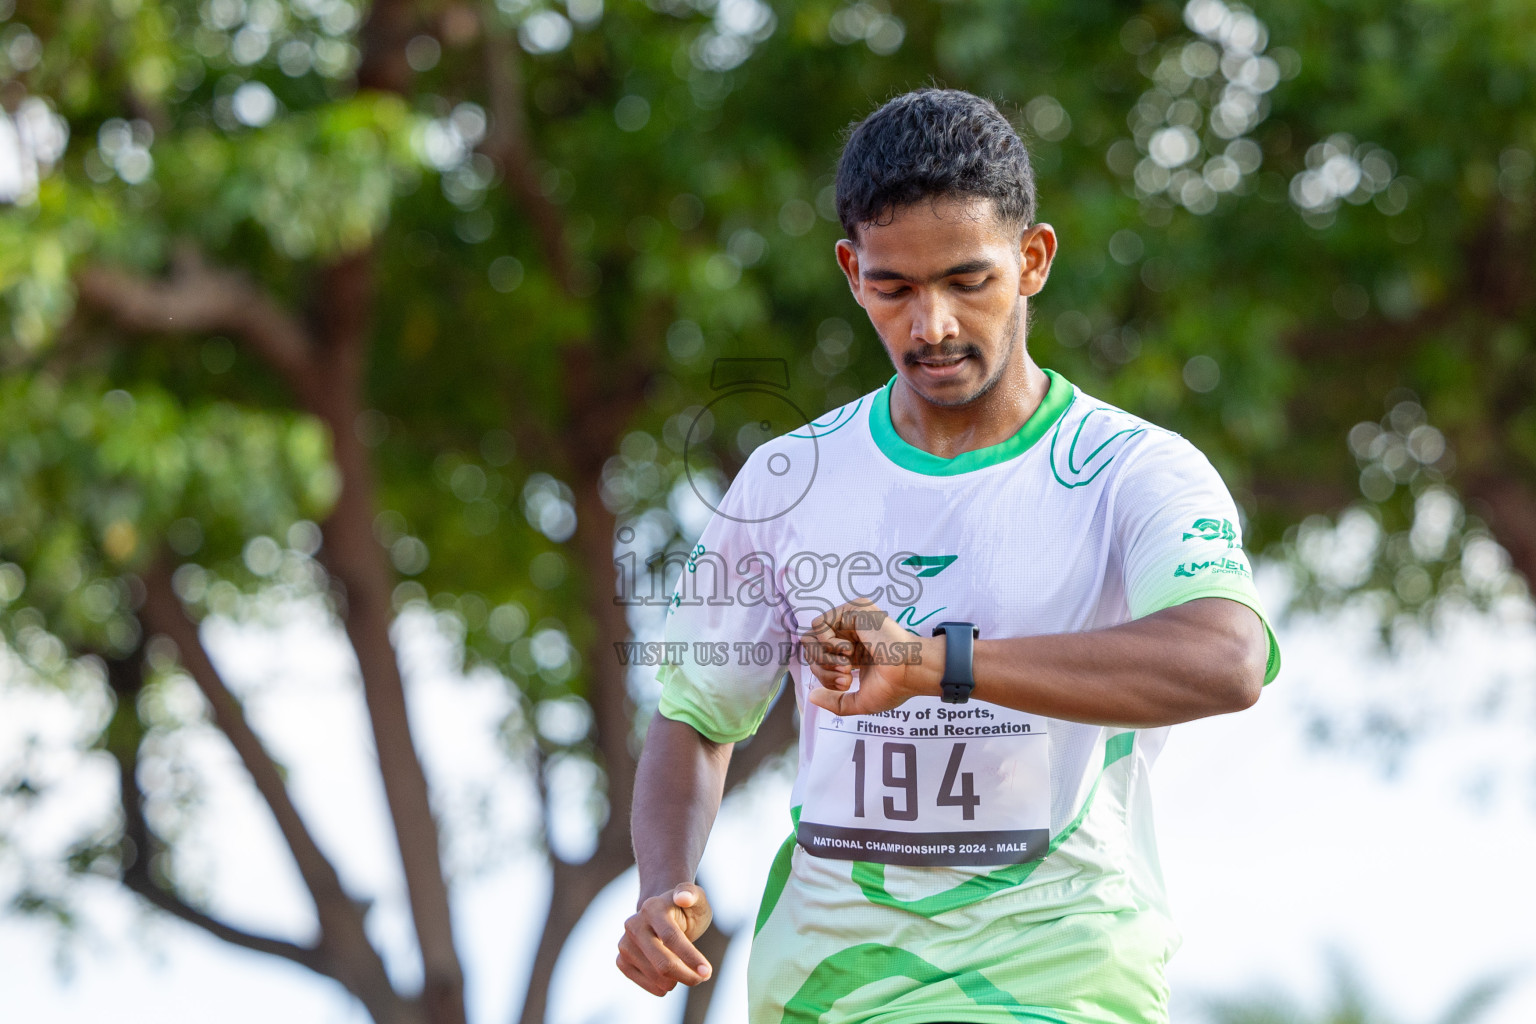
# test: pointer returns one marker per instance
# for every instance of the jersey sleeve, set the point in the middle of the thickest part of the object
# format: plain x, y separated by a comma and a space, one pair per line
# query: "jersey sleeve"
1180, 536
725, 637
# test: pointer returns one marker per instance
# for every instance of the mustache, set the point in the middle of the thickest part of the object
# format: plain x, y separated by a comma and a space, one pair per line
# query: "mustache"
945, 352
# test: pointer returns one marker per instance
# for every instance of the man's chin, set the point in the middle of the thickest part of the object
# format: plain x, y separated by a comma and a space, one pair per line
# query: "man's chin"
951, 389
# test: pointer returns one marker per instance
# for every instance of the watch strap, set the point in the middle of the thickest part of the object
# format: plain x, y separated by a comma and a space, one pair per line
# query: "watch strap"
959, 653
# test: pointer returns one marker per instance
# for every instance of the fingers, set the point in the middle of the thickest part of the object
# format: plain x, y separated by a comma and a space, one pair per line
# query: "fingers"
688, 896
854, 635
657, 950
828, 700
849, 620
831, 661
831, 647
837, 702
694, 906
856, 618
821, 627
674, 956
827, 650
637, 969
821, 644
645, 958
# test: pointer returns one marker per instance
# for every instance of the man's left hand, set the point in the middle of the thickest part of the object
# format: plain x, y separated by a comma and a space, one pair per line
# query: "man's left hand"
893, 665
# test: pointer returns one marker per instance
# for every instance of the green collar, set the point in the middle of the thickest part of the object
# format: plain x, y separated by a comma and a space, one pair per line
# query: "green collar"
1057, 397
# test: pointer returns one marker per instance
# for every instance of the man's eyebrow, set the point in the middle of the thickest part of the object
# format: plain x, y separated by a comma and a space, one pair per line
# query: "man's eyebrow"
968, 267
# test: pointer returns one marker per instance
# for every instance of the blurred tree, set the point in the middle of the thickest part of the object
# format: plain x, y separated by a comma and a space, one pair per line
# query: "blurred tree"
1349, 1002
451, 281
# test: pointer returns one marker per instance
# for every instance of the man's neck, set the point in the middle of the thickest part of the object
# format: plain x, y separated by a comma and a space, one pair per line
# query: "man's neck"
991, 419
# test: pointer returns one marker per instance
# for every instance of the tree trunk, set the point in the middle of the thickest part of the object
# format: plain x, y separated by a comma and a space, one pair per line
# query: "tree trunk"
575, 886
1509, 506
572, 891
355, 559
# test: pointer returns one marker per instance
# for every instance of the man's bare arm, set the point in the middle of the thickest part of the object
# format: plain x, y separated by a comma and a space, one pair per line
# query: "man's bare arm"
678, 787
1204, 657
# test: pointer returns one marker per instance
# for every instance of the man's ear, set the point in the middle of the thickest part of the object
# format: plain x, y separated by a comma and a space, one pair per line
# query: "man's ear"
1037, 248
848, 260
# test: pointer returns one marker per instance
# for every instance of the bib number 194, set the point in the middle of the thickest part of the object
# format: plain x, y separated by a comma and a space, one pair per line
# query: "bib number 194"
898, 768
934, 788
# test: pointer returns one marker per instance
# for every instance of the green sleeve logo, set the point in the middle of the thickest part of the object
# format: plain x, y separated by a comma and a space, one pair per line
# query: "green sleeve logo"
1220, 566
1214, 529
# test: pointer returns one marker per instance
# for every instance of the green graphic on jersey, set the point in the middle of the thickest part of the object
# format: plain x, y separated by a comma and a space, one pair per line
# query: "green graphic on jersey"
931, 565
1075, 468
831, 422
849, 970
778, 875
908, 617
1214, 529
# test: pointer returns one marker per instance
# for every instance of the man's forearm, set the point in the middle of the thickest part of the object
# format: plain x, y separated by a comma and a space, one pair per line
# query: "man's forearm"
678, 787
1206, 657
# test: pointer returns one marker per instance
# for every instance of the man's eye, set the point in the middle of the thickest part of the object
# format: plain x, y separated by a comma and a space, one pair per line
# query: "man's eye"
894, 293
978, 286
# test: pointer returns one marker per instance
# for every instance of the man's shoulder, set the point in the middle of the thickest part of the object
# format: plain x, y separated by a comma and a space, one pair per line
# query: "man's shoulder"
1094, 442
833, 430
783, 470
847, 421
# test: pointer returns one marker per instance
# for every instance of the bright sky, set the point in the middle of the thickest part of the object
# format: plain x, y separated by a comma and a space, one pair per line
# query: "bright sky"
1274, 851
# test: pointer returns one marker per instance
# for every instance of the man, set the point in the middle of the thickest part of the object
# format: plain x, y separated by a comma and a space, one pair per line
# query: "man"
973, 833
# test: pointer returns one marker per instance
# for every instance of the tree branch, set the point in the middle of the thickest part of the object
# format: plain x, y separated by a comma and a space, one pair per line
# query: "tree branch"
607, 680
382, 38
126, 677
137, 879
573, 887
508, 146
341, 922
124, 735
197, 298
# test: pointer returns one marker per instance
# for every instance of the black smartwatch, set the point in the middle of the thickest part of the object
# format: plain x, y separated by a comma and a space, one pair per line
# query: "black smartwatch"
959, 647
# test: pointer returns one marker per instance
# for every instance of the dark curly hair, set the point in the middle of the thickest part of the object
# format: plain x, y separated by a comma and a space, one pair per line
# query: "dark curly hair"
933, 144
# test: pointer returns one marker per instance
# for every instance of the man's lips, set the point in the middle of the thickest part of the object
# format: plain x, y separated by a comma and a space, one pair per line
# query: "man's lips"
942, 367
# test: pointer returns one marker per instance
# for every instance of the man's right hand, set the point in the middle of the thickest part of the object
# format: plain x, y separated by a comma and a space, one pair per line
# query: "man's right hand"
657, 949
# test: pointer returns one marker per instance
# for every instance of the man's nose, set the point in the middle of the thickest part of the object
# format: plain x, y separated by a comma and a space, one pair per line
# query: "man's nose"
933, 320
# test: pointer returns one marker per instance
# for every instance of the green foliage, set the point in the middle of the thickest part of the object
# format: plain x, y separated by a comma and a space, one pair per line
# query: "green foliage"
316, 183
1302, 236
689, 157
92, 480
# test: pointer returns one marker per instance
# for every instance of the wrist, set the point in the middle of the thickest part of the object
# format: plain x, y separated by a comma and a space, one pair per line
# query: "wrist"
929, 671
664, 890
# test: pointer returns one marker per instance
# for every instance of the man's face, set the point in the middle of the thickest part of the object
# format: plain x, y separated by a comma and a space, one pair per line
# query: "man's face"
945, 283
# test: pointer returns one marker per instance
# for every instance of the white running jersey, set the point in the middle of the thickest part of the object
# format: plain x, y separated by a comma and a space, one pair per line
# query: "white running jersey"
954, 862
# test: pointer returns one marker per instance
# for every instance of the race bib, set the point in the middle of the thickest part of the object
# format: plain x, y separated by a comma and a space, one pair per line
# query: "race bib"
929, 783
